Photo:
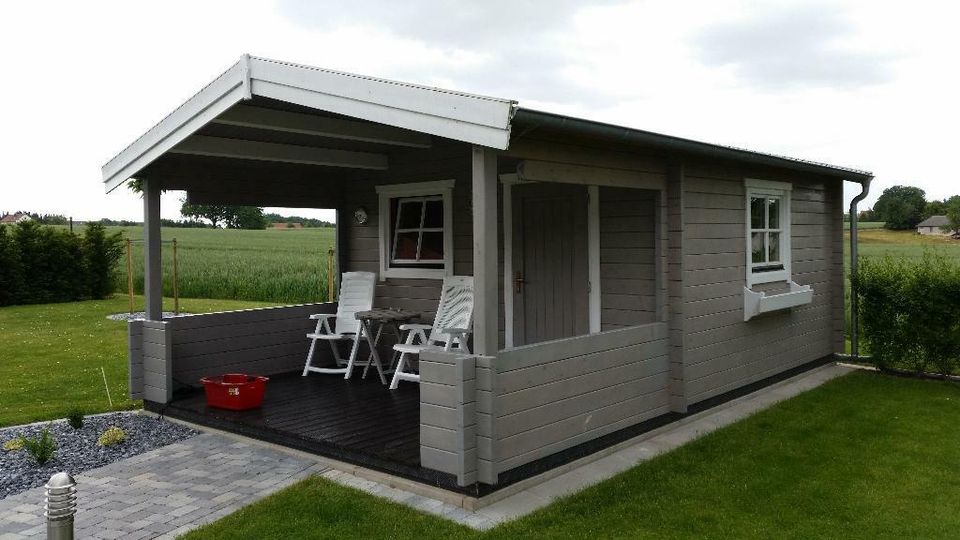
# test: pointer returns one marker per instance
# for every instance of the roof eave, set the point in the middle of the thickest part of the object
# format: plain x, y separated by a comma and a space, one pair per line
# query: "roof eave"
480, 120
682, 145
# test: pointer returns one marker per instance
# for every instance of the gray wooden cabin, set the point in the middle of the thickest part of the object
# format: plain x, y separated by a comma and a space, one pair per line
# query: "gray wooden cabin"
623, 278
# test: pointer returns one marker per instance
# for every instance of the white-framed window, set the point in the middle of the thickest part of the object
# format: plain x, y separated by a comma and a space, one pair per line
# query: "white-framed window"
416, 230
767, 231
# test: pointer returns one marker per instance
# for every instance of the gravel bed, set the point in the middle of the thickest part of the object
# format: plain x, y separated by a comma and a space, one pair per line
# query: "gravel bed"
77, 450
140, 316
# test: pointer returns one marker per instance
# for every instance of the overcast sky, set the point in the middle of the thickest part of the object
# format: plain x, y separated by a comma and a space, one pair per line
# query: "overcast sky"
870, 85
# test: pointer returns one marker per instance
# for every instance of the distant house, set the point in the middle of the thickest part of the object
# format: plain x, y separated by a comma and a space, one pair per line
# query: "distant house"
17, 217
286, 225
934, 225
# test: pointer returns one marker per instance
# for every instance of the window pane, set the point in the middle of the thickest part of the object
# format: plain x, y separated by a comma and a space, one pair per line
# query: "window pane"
431, 248
774, 247
774, 213
756, 212
410, 214
434, 216
756, 246
406, 246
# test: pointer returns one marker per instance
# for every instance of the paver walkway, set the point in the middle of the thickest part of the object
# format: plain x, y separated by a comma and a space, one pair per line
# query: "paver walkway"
164, 492
176, 488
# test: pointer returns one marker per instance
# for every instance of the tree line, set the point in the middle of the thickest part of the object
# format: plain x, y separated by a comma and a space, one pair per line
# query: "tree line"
40, 264
904, 207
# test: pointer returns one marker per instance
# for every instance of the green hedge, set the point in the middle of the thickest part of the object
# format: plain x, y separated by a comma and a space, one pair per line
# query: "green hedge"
910, 312
40, 264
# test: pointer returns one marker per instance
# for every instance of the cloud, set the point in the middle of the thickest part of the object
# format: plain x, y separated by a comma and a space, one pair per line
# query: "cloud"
794, 46
515, 48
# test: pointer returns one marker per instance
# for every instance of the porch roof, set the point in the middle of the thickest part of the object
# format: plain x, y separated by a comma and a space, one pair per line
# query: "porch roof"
358, 117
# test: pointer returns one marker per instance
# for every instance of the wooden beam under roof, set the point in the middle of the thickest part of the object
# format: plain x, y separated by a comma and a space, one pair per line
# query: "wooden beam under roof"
309, 124
203, 145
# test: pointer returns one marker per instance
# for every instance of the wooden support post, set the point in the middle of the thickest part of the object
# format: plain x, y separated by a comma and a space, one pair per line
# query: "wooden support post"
330, 295
152, 277
130, 273
176, 289
485, 250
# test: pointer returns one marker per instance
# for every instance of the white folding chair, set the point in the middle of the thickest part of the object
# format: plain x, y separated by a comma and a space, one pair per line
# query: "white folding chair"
356, 294
450, 328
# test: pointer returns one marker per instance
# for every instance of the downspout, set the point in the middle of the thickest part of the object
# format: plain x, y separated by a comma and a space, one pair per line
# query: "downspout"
854, 338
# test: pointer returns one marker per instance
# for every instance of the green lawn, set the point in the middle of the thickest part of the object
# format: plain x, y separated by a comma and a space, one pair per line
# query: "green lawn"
51, 354
864, 456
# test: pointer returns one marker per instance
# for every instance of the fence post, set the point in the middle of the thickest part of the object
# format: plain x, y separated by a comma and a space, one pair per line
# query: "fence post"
176, 289
330, 295
130, 273
60, 506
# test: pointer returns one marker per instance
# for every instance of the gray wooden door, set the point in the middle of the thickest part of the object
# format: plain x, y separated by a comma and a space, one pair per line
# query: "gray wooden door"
550, 282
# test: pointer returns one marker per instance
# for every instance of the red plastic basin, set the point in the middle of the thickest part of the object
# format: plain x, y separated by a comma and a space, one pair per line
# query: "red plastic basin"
235, 391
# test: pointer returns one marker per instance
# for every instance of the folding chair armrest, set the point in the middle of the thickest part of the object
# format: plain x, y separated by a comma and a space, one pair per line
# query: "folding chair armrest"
457, 332
415, 326
318, 316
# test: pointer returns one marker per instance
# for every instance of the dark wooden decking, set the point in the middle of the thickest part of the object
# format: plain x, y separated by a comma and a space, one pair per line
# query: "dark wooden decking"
357, 421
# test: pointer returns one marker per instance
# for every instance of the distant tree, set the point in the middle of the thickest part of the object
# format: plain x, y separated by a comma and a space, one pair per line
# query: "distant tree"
867, 215
934, 208
49, 219
306, 222
901, 207
231, 217
246, 217
214, 213
952, 211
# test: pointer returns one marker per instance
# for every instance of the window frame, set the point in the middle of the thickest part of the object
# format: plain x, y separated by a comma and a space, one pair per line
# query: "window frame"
767, 188
443, 190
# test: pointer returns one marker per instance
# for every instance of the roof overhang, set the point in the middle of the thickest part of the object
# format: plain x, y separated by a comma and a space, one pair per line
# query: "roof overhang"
527, 119
371, 113
479, 120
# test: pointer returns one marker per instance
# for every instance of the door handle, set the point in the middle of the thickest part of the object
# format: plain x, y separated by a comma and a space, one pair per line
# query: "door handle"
518, 282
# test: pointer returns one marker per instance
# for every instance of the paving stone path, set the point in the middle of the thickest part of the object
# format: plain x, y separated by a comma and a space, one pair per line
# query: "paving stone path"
164, 492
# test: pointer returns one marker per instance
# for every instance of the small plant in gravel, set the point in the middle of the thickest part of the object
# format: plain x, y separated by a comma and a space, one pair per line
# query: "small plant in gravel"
42, 447
13, 445
75, 417
111, 436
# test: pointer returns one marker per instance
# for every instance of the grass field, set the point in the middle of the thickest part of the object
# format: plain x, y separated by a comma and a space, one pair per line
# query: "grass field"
51, 355
275, 265
909, 244
864, 225
864, 456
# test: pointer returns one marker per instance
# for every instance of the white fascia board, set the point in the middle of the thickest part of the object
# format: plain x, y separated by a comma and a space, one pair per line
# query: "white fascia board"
469, 118
224, 92
463, 117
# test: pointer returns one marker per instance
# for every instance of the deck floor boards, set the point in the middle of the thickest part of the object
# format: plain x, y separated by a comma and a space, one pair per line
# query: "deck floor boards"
360, 421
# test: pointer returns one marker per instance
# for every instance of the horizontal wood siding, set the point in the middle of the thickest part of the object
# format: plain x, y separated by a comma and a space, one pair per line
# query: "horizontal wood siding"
627, 257
263, 341
156, 349
135, 359
721, 351
448, 427
552, 396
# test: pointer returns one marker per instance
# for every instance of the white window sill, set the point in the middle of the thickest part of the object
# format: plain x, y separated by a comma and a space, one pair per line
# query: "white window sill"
756, 278
413, 273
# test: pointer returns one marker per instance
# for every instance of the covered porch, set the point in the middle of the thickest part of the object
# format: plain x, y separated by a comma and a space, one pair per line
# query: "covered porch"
565, 234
